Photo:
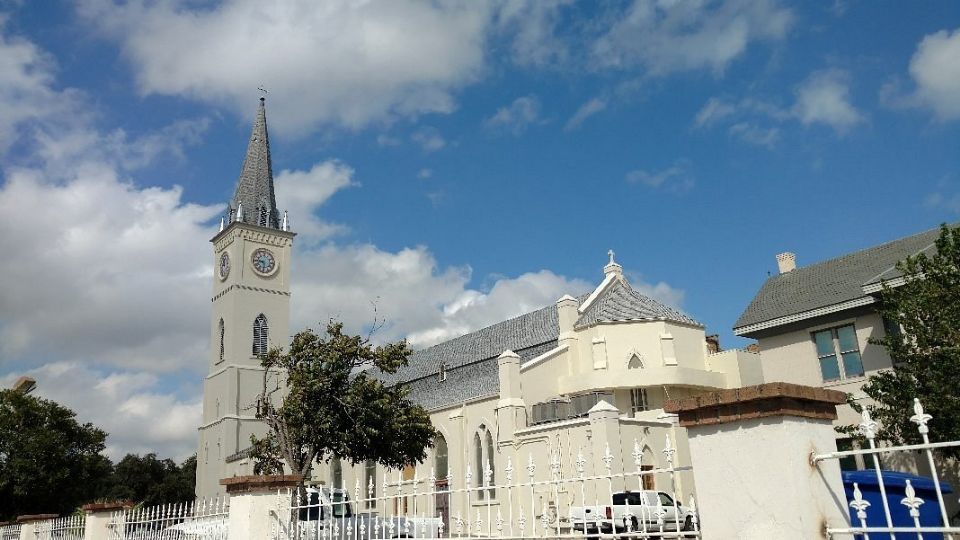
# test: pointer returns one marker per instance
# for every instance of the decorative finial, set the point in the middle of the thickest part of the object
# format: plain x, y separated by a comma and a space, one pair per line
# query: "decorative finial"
610, 253
286, 225
240, 212
264, 92
221, 223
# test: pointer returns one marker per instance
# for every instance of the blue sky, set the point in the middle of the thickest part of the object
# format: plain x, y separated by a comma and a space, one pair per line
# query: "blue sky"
455, 164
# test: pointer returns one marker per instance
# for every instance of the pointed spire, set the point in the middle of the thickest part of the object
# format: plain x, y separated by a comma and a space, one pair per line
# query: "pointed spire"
254, 201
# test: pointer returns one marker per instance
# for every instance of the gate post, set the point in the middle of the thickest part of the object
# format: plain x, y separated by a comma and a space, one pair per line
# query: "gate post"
28, 525
99, 515
253, 504
750, 449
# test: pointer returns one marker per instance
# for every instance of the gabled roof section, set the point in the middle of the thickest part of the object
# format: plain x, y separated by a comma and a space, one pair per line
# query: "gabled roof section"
255, 185
618, 302
828, 286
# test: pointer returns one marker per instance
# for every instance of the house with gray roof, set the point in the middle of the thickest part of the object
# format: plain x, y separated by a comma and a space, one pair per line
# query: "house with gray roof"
813, 324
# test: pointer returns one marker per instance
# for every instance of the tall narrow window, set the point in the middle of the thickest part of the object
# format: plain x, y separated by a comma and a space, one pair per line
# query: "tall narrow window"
264, 213
443, 371
441, 457
492, 492
222, 333
260, 334
638, 400
370, 483
478, 463
336, 473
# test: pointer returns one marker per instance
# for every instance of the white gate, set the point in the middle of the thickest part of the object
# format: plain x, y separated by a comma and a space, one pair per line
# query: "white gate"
533, 500
62, 528
10, 531
905, 496
201, 519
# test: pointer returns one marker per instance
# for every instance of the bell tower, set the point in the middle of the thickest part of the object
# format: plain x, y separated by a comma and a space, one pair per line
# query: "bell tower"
250, 314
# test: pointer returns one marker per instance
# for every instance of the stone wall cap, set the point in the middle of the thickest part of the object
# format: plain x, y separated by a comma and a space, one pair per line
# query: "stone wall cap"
603, 406
36, 517
765, 391
254, 482
105, 506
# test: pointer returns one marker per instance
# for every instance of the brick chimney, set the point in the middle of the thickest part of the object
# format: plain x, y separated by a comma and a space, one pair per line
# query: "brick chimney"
787, 262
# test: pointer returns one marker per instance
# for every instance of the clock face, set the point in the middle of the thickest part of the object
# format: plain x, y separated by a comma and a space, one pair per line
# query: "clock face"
224, 266
263, 261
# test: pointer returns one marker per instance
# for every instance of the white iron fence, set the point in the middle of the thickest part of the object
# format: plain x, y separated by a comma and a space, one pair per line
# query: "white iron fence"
202, 519
532, 501
890, 496
62, 528
10, 532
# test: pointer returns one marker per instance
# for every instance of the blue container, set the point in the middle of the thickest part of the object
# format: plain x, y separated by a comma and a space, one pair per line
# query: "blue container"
895, 483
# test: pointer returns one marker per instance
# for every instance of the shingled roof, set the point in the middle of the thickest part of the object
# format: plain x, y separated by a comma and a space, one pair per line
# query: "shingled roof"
829, 285
255, 184
471, 359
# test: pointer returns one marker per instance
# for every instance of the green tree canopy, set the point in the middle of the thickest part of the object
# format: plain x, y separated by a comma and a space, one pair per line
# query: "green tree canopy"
151, 481
926, 349
49, 462
331, 406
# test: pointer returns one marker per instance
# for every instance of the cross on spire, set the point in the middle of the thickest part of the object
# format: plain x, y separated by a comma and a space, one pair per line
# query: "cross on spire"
610, 254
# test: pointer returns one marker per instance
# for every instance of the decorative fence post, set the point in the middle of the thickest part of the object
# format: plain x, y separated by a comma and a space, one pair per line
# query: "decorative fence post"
253, 504
28, 525
99, 516
751, 448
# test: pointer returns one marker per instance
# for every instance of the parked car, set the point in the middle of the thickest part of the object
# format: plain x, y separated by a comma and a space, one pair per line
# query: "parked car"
634, 511
328, 513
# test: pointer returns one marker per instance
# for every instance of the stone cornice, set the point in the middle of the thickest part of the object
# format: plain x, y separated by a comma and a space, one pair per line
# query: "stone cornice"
255, 483
107, 506
248, 288
30, 518
761, 401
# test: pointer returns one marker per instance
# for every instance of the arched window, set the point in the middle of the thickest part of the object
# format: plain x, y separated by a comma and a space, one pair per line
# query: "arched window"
441, 459
492, 492
336, 473
635, 362
478, 463
222, 332
260, 334
443, 371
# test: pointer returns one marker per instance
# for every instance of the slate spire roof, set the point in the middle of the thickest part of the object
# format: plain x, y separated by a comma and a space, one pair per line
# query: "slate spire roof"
254, 199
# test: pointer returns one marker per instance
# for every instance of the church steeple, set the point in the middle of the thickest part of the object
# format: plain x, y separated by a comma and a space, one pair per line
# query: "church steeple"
254, 201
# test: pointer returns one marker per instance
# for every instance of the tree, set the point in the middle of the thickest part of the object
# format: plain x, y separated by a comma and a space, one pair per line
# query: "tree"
334, 407
48, 461
151, 481
925, 350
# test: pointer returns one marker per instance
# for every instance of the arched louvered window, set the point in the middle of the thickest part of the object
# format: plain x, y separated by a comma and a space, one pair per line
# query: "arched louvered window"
260, 334
441, 456
264, 215
222, 333
492, 492
478, 463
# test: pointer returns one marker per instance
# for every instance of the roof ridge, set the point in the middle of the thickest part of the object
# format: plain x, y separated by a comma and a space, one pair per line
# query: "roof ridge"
863, 250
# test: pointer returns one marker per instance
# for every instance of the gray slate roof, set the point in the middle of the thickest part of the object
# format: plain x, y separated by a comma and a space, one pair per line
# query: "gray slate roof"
621, 303
255, 185
831, 282
471, 359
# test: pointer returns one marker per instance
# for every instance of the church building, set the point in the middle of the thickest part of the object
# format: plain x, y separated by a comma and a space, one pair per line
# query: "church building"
588, 372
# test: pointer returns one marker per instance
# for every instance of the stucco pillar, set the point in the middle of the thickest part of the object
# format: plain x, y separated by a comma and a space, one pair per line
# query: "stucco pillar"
567, 316
28, 524
253, 504
750, 449
98, 516
605, 435
511, 409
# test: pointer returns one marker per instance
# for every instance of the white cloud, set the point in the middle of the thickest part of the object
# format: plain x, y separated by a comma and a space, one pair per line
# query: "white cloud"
429, 139
424, 174
754, 134
533, 26
585, 111
671, 36
301, 193
677, 178
935, 68
714, 110
341, 62
825, 98
516, 117
138, 415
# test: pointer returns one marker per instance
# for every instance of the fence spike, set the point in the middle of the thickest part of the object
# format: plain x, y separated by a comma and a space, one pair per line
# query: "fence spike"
920, 418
